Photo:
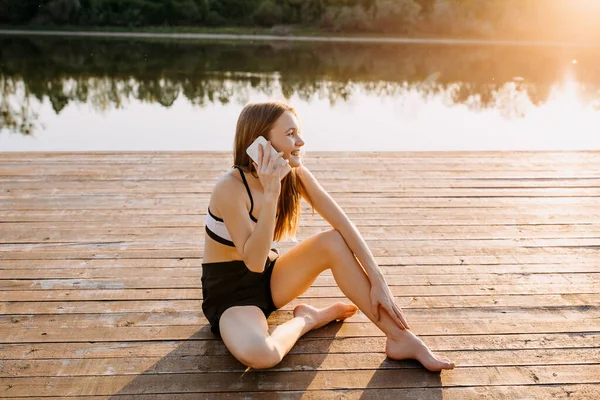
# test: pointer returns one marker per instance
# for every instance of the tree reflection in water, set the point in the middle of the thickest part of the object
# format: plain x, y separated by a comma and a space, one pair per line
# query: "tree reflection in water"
110, 73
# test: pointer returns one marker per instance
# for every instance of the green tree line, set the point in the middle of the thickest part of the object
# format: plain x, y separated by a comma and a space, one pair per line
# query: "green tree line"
549, 19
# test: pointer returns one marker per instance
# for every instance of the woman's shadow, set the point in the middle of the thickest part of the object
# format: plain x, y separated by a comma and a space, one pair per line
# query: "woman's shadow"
406, 379
203, 368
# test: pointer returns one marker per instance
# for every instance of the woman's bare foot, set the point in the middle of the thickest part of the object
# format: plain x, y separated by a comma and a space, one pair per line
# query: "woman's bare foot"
318, 317
407, 345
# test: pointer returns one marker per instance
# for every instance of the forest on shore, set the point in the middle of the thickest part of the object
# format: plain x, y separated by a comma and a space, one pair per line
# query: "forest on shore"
563, 20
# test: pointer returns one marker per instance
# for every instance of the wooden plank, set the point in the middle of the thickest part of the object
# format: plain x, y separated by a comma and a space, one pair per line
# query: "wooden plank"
85, 166
495, 392
374, 212
538, 391
475, 272
312, 292
107, 306
338, 190
148, 201
362, 215
407, 256
451, 320
298, 380
53, 239
11, 268
53, 334
336, 158
483, 230
398, 177
306, 345
338, 172
292, 362
193, 248
56, 239
363, 223
317, 160
378, 247
378, 212
371, 234
367, 166
370, 217
344, 192
189, 281
69, 184
565, 291
470, 271
386, 269
327, 171
464, 290
315, 157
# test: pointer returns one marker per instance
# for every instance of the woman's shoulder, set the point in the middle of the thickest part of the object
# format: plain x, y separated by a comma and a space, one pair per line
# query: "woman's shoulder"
227, 183
229, 192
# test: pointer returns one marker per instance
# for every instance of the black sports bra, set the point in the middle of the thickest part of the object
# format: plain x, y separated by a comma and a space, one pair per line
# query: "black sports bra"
215, 226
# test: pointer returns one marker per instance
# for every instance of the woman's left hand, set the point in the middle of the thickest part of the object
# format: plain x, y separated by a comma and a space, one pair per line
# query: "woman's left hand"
382, 297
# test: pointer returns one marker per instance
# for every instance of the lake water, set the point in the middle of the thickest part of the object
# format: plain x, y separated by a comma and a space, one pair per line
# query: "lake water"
84, 94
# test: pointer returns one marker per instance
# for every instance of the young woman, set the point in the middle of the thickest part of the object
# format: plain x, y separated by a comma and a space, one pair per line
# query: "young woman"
243, 277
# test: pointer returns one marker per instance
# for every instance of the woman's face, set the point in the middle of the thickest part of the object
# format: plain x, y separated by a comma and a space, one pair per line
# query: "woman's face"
285, 136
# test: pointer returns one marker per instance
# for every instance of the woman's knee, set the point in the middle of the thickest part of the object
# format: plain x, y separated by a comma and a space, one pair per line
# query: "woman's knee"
244, 331
259, 354
333, 243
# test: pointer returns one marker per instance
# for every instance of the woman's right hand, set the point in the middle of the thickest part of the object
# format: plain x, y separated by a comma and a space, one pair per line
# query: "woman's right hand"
269, 170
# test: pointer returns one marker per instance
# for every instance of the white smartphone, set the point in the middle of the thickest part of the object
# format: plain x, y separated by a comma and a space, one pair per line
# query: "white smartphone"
252, 151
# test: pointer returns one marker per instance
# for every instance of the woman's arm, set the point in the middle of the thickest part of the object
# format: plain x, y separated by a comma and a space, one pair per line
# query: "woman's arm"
380, 295
332, 213
252, 243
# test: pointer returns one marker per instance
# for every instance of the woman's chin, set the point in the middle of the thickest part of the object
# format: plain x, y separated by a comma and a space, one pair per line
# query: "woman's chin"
295, 162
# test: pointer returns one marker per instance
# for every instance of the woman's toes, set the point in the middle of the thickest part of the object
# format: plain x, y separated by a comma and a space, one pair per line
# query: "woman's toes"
323, 316
343, 311
413, 347
444, 359
449, 364
439, 363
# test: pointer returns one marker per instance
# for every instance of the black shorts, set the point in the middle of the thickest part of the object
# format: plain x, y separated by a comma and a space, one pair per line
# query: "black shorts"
231, 283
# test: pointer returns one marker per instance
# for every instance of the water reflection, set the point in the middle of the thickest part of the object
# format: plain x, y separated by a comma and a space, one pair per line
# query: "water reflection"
112, 74
17, 113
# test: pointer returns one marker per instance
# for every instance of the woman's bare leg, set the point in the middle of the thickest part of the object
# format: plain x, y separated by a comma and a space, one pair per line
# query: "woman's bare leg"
297, 269
245, 332
307, 318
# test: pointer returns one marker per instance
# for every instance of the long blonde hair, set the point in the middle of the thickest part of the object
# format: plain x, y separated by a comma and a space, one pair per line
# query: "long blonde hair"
257, 120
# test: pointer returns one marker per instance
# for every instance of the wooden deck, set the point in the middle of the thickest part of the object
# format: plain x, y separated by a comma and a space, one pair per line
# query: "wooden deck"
495, 258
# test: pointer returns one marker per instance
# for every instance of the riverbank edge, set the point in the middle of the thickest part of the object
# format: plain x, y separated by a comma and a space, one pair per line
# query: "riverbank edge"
7, 31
